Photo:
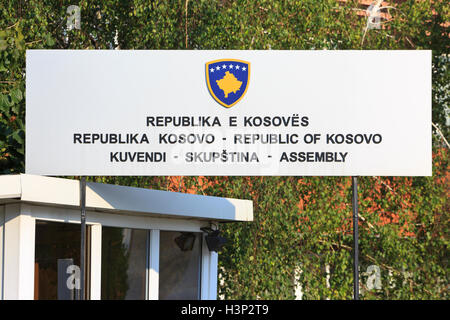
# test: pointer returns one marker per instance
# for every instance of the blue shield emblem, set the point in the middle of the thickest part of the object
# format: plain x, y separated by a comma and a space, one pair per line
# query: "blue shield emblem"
227, 80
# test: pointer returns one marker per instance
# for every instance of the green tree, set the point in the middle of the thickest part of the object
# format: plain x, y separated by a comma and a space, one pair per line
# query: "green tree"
300, 223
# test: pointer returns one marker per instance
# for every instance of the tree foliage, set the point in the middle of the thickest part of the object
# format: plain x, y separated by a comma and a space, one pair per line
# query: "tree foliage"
302, 225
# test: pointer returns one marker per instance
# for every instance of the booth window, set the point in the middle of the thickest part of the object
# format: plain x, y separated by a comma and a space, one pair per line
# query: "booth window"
180, 265
124, 263
57, 260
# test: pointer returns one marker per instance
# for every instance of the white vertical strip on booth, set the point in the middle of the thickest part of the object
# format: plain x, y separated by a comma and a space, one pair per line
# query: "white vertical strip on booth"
96, 261
153, 272
19, 229
214, 259
209, 273
2, 220
205, 272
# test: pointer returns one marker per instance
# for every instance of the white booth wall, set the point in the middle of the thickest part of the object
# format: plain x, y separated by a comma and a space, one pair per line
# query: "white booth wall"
18, 244
2, 220
26, 202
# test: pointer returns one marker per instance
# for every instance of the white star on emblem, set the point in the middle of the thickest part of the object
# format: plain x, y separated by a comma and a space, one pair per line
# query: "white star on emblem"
224, 67
231, 66
237, 67
212, 69
244, 68
218, 68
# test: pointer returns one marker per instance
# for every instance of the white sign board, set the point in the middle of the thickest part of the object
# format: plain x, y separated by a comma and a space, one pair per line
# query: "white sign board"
316, 113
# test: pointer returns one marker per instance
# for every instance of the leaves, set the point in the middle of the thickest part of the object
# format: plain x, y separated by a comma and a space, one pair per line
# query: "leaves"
301, 223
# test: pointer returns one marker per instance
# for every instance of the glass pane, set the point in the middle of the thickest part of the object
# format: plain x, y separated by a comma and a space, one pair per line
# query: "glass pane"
57, 260
124, 263
179, 271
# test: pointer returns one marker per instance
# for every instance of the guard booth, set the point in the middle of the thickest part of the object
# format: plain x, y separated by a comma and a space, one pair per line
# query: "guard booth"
142, 243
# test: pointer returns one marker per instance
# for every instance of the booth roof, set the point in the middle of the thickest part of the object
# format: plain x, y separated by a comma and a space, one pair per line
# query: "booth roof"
51, 191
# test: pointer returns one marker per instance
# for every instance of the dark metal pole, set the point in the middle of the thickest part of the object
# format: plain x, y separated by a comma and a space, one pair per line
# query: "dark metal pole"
83, 238
355, 238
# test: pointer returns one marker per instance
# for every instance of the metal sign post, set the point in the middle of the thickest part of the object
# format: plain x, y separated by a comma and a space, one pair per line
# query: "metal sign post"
83, 238
355, 238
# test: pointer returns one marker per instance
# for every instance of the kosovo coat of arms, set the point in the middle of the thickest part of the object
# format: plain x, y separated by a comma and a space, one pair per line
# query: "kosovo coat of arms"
227, 80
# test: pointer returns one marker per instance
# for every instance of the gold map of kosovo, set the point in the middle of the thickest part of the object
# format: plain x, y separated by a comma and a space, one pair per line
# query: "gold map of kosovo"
229, 83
